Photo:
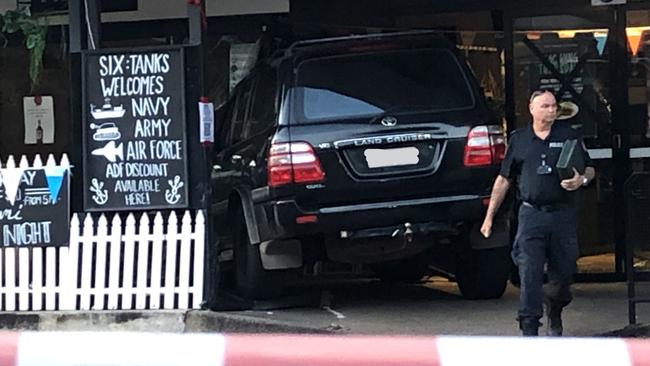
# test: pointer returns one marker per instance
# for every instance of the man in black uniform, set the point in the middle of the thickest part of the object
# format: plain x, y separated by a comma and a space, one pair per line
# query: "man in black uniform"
547, 231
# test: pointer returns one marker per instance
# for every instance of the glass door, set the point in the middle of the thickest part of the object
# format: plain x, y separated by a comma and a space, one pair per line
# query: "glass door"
638, 116
571, 54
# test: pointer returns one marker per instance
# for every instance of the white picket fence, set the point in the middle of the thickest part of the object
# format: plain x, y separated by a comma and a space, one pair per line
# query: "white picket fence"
108, 267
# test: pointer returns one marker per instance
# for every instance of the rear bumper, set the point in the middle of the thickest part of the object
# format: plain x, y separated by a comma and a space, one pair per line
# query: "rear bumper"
277, 219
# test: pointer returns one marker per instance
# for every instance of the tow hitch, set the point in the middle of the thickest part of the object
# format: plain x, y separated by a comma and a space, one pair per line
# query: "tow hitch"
381, 244
406, 231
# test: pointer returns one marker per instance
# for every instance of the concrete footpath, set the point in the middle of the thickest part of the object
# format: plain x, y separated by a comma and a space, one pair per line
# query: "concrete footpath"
169, 321
365, 307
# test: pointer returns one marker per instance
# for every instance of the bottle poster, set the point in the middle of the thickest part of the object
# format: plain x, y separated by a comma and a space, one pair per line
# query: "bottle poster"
39, 120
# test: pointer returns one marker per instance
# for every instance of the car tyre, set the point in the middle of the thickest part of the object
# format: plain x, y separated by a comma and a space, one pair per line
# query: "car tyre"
409, 270
483, 273
252, 281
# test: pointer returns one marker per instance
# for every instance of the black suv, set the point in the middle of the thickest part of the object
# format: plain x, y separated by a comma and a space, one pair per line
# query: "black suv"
376, 150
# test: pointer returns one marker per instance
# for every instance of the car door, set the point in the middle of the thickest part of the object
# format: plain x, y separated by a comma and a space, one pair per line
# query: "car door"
258, 127
227, 162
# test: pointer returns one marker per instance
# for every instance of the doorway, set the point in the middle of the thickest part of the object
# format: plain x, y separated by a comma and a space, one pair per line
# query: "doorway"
576, 55
637, 31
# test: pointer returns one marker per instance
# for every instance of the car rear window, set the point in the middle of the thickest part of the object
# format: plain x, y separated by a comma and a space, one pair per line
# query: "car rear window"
366, 85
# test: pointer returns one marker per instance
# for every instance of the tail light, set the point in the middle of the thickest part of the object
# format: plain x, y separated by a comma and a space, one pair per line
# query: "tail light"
293, 163
486, 145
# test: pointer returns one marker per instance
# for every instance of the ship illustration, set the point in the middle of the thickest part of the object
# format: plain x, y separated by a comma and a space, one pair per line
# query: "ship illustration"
107, 110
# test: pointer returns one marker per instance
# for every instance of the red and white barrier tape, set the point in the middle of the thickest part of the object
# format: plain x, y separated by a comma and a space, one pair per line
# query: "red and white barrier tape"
139, 349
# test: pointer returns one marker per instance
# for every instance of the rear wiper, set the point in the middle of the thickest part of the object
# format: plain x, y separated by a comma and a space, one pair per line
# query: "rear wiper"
401, 109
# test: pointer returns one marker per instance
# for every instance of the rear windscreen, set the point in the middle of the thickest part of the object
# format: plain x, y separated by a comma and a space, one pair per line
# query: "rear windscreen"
366, 85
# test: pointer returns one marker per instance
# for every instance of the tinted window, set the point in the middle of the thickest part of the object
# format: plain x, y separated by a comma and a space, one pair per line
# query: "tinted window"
223, 116
239, 112
361, 85
262, 114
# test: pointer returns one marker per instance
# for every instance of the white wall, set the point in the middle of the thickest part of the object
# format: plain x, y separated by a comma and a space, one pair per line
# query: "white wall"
147, 10
7, 5
161, 9
237, 7
150, 9
168, 9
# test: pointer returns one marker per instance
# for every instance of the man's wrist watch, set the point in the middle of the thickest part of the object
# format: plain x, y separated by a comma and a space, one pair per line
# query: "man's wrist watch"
585, 181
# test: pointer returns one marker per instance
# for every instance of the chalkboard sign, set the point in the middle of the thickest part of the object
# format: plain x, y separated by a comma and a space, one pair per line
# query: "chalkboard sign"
34, 207
134, 130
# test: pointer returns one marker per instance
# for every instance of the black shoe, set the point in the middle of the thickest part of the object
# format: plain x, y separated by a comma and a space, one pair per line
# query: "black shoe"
554, 323
529, 327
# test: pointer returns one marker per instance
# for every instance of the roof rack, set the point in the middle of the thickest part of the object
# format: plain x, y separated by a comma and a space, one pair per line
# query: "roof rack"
375, 36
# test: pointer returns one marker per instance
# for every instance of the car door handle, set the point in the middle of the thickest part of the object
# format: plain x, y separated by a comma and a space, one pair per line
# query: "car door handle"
216, 172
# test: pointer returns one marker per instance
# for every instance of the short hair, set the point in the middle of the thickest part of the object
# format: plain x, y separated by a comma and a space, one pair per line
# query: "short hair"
537, 93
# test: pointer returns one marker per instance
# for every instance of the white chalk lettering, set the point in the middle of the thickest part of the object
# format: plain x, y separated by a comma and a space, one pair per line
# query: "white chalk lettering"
10, 214
146, 170
28, 233
114, 170
149, 106
137, 85
150, 64
28, 177
108, 90
41, 200
163, 149
134, 185
152, 127
136, 150
103, 65
33, 200
111, 65
135, 199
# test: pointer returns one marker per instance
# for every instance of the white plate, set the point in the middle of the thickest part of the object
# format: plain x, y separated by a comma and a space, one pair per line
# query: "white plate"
380, 158
566, 110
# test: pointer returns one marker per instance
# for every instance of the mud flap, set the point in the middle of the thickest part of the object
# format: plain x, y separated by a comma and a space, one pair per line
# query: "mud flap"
281, 254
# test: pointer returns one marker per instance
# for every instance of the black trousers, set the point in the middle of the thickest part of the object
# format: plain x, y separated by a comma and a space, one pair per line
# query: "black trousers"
545, 238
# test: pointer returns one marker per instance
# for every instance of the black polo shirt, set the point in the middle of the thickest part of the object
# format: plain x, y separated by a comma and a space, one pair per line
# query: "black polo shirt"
524, 156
